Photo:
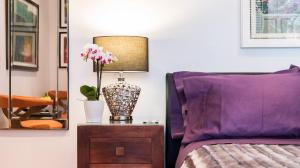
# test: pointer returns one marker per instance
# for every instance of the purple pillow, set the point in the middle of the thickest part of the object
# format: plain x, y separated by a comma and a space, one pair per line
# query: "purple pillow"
178, 79
242, 106
178, 116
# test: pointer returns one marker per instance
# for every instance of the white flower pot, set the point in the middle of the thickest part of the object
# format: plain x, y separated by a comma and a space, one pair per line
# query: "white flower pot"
93, 111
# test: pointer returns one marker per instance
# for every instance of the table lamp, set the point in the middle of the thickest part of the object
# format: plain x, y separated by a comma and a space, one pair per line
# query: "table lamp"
132, 54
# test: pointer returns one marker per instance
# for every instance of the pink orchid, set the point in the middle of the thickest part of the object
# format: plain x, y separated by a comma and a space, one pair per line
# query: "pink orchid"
95, 52
100, 58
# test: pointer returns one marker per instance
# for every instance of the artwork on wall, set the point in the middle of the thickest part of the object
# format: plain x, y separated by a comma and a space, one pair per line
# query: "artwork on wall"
64, 7
63, 50
270, 23
25, 13
24, 50
23, 34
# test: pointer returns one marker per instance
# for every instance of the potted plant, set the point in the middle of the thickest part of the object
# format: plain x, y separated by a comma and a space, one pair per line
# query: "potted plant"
93, 105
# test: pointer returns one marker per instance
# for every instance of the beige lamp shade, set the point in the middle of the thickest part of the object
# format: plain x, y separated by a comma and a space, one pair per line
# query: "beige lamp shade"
131, 51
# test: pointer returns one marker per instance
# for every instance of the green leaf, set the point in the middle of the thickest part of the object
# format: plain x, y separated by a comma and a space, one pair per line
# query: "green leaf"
90, 92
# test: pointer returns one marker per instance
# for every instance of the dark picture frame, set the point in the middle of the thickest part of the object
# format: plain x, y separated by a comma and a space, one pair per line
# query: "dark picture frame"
23, 43
63, 50
26, 16
22, 35
63, 13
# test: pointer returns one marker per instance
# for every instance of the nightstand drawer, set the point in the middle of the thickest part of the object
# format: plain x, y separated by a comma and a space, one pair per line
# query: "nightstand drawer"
120, 150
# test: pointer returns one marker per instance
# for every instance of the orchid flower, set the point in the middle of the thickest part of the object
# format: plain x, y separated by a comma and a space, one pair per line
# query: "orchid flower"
96, 54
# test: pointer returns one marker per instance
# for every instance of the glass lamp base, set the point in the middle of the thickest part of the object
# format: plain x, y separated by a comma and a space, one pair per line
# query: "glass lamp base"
121, 99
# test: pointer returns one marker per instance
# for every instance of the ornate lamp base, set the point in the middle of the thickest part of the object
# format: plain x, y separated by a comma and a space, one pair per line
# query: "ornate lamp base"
121, 99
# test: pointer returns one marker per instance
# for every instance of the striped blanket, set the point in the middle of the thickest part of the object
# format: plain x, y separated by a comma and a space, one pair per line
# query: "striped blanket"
244, 156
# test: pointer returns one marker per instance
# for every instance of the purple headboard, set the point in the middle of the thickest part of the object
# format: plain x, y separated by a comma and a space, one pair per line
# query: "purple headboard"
172, 145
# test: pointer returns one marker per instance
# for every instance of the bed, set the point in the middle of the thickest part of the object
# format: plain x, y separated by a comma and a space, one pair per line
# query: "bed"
227, 147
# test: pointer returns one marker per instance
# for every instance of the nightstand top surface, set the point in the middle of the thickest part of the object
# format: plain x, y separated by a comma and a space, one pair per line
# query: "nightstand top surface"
133, 123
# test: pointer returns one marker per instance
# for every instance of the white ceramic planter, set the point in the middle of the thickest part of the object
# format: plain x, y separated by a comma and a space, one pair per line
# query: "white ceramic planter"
93, 111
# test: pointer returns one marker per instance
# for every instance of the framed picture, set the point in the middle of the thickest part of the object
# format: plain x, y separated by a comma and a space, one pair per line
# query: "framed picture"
24, 51
270, 23
64, 17
63, 50
24, 13
22, 34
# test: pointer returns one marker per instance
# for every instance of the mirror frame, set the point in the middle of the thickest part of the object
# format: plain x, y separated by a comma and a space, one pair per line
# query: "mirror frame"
9, 66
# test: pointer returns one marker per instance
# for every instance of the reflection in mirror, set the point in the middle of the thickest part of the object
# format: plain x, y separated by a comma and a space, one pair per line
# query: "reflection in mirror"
4, 74
37, 56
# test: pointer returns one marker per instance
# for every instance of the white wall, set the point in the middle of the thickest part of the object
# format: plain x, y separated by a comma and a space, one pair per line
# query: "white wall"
53, 41
37, 83
3, 72
29, 146
56, 77
184, 35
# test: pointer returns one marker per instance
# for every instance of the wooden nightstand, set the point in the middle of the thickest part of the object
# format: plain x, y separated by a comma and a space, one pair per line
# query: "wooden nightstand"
120, 146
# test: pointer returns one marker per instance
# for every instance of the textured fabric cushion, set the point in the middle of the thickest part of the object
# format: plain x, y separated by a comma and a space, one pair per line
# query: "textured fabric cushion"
179, 109
41, 124
242, 106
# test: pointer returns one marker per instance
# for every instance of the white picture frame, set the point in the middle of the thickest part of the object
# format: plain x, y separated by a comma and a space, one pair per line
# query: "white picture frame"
250, 38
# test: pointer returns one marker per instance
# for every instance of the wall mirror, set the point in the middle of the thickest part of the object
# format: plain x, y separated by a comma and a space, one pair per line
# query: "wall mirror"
34, 68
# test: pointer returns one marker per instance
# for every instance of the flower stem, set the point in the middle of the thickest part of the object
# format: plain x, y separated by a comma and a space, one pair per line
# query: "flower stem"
98, 81
101, 70
99, 77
